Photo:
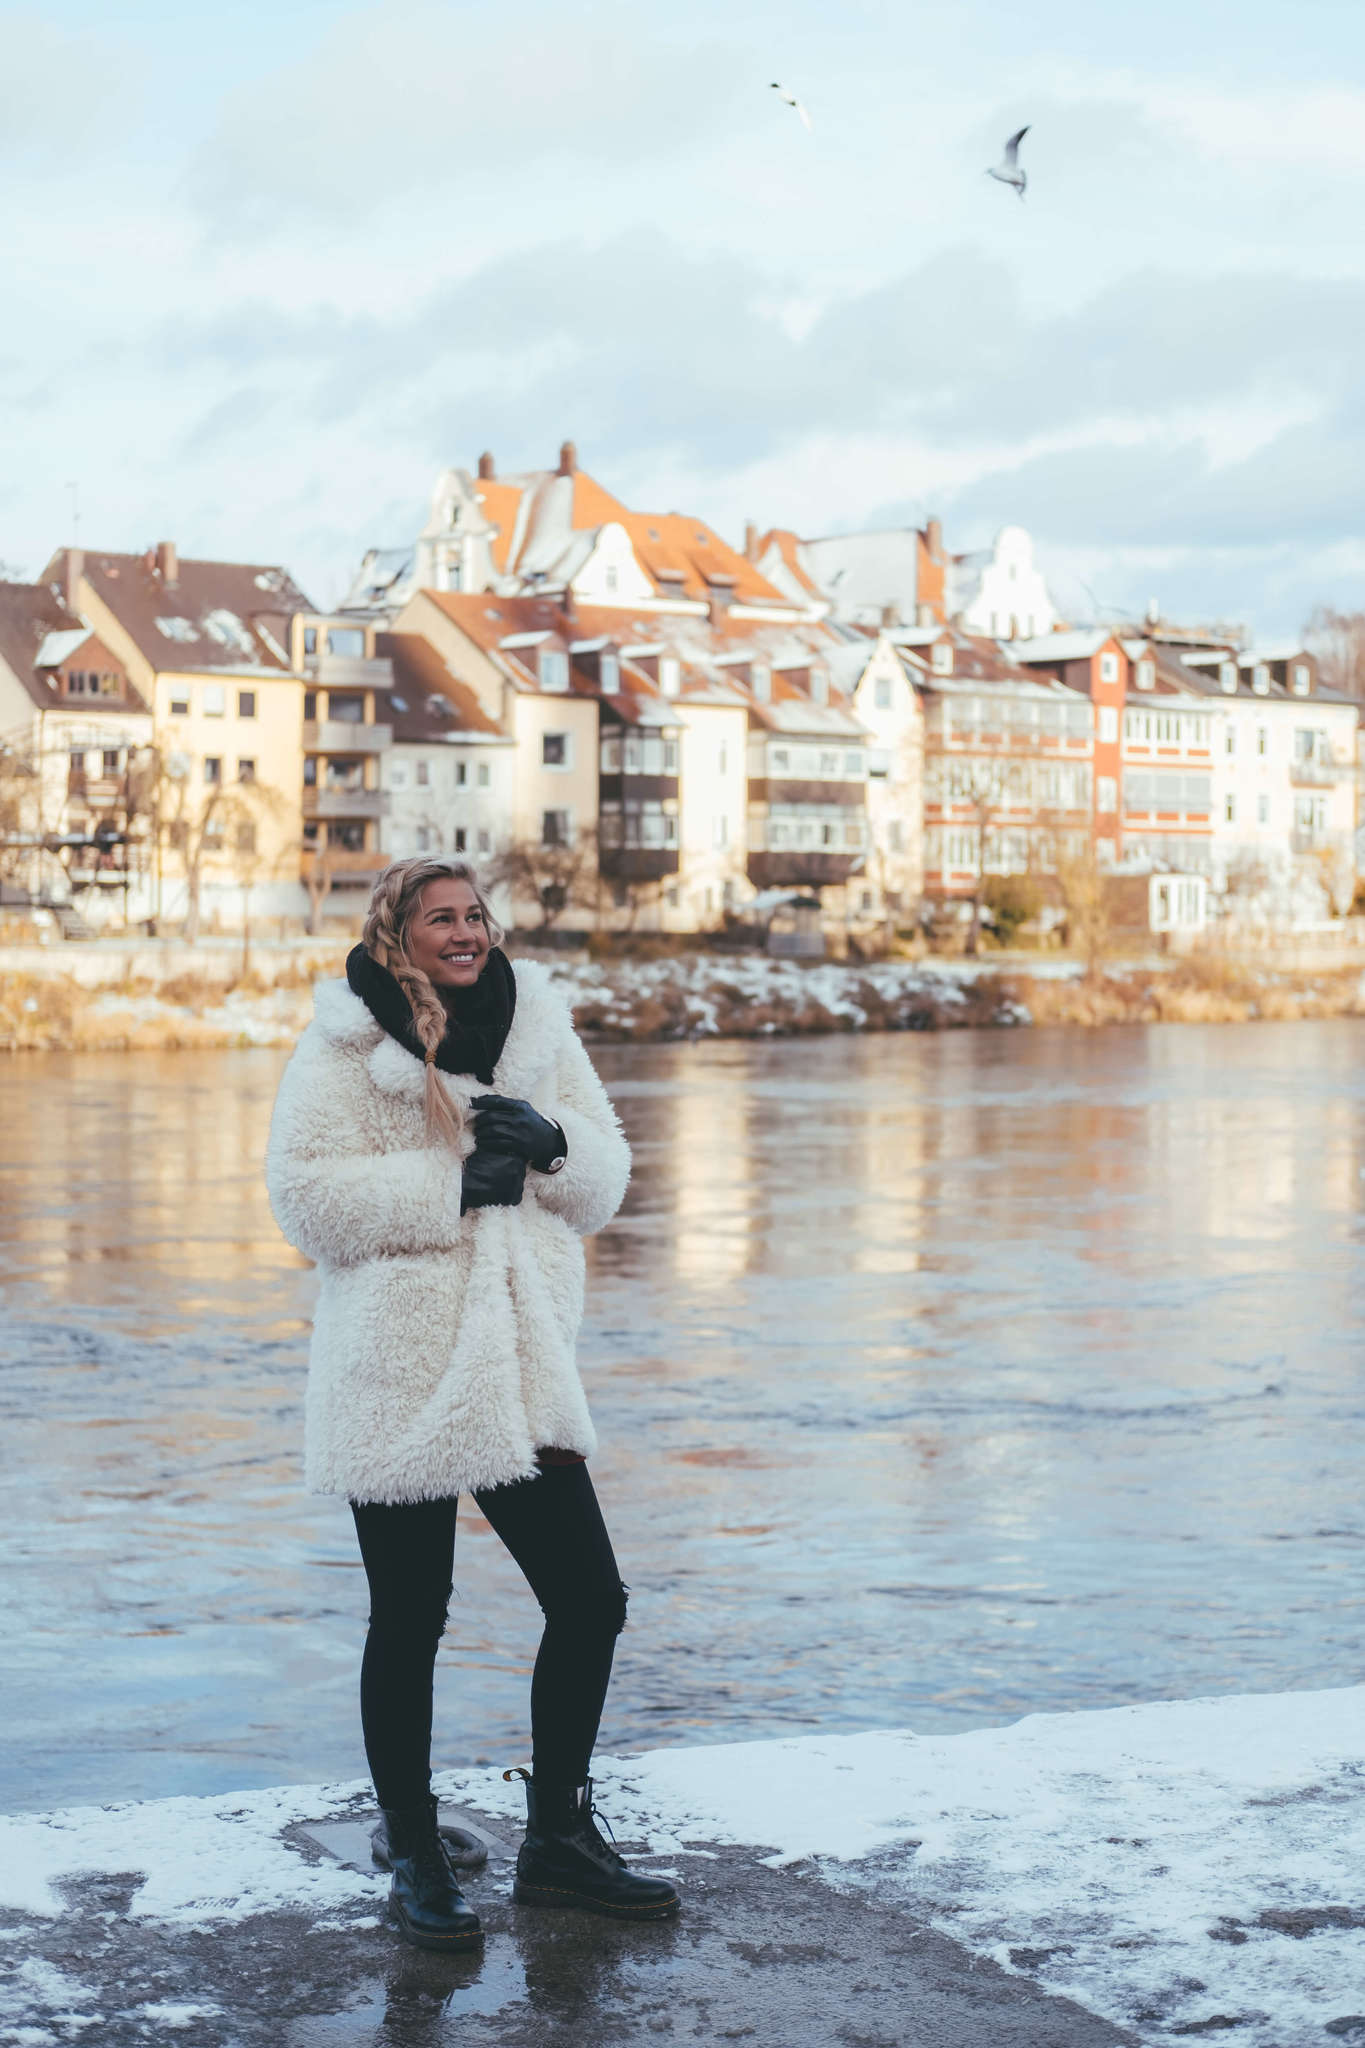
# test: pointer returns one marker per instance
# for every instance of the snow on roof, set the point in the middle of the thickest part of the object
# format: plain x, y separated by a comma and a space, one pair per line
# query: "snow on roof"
525, 639
1078, 646
57, 646
867, 571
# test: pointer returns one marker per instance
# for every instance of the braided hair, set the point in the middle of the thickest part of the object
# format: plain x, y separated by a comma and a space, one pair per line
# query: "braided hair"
396, 899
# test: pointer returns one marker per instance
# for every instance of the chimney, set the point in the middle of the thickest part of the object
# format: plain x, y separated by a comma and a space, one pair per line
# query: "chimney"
167, 563
568, 458
891, 615
933, 539
750, 541
486, 469
75, 569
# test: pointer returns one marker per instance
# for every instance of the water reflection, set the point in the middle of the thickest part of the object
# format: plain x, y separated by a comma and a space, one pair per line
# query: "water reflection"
938, 1379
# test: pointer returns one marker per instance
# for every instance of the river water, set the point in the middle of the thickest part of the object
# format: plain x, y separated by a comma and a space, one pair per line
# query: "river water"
939, 1379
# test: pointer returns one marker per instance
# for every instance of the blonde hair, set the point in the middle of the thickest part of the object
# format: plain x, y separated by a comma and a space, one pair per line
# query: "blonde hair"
393, 905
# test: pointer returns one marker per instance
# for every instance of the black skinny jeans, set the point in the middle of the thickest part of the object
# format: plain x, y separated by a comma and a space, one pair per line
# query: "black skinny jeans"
553, 1527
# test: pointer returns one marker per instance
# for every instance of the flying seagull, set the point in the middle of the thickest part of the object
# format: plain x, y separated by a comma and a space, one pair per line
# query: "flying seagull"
1009, 170
793, 101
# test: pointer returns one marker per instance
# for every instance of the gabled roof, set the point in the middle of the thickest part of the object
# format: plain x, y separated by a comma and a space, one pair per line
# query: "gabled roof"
38, 633
214, 615
789, 549
428, 701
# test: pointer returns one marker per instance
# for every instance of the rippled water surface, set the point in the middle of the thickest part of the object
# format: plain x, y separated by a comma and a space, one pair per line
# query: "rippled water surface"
938, 1379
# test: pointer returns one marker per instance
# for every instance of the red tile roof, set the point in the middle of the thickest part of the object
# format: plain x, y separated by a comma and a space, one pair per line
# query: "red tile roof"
215, 615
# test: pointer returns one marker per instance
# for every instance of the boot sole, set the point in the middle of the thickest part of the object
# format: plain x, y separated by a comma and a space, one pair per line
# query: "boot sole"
551, 1895
434, 1941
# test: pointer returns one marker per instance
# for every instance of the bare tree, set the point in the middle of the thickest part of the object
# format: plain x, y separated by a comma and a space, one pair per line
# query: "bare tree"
555, 877
980, 785
318, 875
1084, 884
245, 809
18, 807
1338, 640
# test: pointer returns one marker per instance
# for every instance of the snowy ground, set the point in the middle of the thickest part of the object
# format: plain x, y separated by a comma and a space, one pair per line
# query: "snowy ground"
1179, 1869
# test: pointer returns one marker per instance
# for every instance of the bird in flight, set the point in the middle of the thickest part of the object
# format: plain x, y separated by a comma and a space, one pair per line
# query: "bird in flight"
1009, 170
792, 101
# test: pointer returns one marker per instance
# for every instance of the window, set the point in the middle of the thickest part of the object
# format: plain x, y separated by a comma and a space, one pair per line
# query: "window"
1263, 810
553, 668
424, 839
1302, 678
215, 700
612, 579
1260, 679
1230, 740
246, 703
853, 763
829, 765
245, 836
723, 758
609, 675
310, 639
943, 658
1106, 793
720, 831
819, 685
111, 760
485, 839
1230, 810
1109, 668
310, 705
1146, 675
761, 681
881, 695
461, 774
1108, 730
346, 705
180, 704
398, 775
895, 836
554, 750
246, 768
481, 775
670, 766
213, 768
1263, 739
1227, 678
424, 774
310, 771
346, 641
555, 828
461, 839
670, 674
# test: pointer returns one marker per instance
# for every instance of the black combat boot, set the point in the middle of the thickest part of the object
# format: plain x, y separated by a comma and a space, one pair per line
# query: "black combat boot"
565, 1862
424, 1898
463, 1850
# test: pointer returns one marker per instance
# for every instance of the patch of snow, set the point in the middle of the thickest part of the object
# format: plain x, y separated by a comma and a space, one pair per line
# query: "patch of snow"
39, 1990
183, 630
171, 2014
228, 630
269, 641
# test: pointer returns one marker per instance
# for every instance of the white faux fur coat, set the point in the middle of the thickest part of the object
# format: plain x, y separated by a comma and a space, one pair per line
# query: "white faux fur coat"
443, 1345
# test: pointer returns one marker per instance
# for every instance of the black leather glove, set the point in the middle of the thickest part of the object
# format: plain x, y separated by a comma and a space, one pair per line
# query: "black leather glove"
491, 1180
510, 1125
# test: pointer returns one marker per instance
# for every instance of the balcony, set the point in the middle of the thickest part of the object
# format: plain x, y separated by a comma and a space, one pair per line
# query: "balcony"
637, 863
348, 672
345, 803
344, 736
344, 865
794, 869
1320, 774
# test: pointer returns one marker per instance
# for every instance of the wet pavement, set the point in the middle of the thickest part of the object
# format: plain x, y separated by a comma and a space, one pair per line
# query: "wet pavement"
772, 1957
939, 1379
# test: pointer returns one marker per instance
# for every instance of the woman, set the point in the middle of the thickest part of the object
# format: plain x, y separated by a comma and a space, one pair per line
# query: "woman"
440, 1146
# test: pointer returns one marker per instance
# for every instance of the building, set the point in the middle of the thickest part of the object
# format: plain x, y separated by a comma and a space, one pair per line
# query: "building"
1008, 764
207, 645
999, 592
75, 746
1168, 789
449, 775
1094, 664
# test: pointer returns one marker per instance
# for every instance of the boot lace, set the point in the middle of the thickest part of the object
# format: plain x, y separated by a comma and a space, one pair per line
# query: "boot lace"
591, 1816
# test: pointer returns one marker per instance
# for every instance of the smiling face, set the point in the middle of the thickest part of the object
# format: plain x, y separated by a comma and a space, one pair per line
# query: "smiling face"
447, 936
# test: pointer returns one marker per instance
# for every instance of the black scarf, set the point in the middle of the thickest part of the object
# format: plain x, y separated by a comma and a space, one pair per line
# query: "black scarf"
480, 1016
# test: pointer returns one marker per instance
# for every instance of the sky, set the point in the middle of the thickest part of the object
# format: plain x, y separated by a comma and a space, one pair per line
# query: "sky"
264, 271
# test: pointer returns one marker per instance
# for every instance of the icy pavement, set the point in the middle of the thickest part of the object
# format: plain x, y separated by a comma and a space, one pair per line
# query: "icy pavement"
1148, 1873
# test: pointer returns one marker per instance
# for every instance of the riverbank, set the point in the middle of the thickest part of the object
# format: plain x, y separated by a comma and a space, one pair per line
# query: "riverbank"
1145, 1873
687, 996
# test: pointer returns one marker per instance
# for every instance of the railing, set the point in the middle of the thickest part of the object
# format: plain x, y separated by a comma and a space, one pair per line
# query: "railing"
1320, 774
348, 672
345, 803
343, 736
344, 863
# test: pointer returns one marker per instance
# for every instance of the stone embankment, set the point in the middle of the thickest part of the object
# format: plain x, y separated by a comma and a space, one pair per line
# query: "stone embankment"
688, 996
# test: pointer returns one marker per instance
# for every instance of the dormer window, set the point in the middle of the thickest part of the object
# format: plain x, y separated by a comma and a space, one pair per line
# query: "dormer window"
553, 668
670, 674
819, 686
1227, 677
1109, 668
609, 675
1302, 679
943, 658
1146, 675
761, 682
1260, 679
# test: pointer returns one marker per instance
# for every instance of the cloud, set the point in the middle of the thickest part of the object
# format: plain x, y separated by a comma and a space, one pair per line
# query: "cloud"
457, 103
65, 97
